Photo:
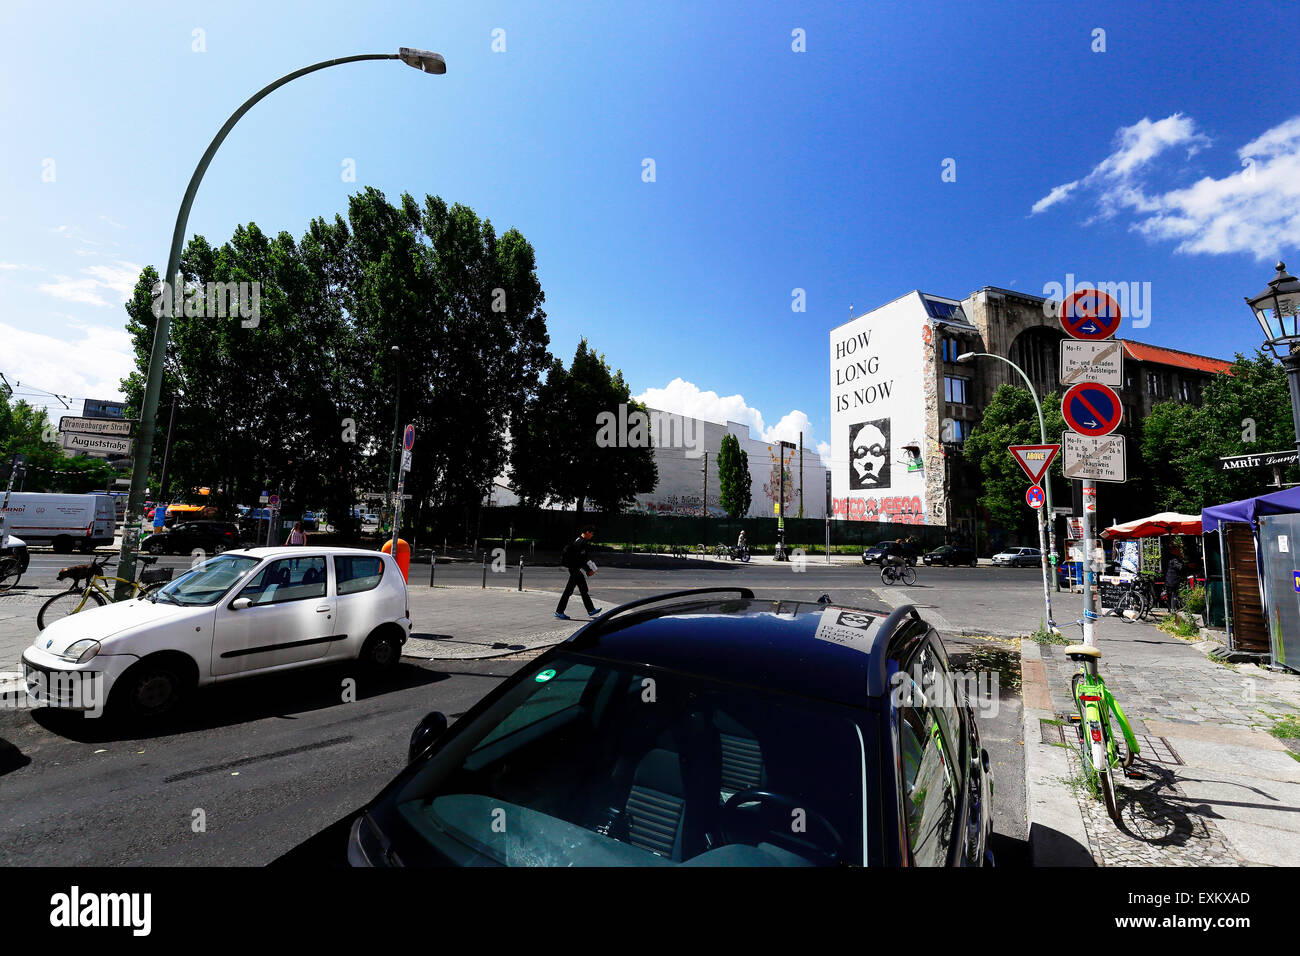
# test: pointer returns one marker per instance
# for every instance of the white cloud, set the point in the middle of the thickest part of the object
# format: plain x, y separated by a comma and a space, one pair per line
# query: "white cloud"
685, 398
88, 363
18, 267
1057, 194
118, 279
1254, 209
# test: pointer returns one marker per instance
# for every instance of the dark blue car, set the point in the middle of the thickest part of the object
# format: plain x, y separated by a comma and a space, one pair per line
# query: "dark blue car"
697, 728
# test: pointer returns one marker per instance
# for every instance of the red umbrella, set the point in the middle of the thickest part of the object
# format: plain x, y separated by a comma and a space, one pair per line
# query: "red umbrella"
1167, 522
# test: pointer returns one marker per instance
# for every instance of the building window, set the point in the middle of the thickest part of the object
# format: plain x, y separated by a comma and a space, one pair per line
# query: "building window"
1128, 381
957, 431
954, 389
1153, 384
1186, 390
951, 349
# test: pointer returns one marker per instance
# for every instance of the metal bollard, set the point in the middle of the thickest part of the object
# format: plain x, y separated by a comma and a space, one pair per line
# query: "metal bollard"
521, 574
433, 566
485, 569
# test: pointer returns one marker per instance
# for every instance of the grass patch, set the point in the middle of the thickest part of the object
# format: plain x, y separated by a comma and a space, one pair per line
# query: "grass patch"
1180, 625
1286, 728
1045, 635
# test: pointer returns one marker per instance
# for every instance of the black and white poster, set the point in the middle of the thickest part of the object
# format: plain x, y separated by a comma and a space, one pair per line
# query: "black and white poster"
869, 447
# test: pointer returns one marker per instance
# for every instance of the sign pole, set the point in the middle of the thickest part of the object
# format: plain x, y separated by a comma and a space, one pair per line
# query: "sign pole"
1089, 588
1042, 548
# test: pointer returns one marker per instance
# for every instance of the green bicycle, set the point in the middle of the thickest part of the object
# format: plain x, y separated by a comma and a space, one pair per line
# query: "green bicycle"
1097, 708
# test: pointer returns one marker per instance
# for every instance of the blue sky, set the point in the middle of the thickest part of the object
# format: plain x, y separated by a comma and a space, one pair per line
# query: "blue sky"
775, 170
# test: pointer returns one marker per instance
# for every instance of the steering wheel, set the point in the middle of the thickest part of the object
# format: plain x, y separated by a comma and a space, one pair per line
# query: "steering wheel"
731, 814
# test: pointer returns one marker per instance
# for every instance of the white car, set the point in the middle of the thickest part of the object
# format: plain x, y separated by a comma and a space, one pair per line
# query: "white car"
238, 614
1018, 558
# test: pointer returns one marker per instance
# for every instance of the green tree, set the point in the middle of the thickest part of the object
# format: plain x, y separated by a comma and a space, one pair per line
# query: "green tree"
1010, 419
26, 430
562, 452
1247, 410
733, 477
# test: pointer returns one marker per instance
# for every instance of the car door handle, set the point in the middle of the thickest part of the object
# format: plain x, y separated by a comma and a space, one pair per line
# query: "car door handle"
321, 609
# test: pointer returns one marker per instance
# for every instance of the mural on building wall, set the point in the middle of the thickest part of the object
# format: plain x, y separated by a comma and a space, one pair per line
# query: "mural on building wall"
869, 443
899, 509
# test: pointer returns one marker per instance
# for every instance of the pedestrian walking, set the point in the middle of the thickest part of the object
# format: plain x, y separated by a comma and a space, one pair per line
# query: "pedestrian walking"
297, 535
575, 558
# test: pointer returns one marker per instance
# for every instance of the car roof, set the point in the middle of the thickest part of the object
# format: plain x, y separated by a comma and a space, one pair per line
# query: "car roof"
302, 551
795, 647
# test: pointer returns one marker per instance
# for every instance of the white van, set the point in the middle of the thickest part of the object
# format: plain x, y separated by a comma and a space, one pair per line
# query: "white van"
64, 521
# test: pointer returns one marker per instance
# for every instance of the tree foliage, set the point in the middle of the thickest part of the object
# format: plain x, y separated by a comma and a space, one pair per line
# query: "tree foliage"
556, 453
1246, 411
1010, 419
303, 400
733, 477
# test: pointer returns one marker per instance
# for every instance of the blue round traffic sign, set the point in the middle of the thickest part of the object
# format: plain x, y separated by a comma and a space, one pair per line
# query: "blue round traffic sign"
1034, 496
1092, 409
1090, 314
408, 437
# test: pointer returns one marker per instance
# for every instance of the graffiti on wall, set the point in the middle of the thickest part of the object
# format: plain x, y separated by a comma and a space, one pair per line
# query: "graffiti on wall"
901, 509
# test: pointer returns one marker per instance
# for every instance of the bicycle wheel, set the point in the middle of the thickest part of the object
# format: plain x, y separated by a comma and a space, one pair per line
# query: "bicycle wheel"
65, 604
1104, 778
1130, 601
886, 575
909, 575
9, 573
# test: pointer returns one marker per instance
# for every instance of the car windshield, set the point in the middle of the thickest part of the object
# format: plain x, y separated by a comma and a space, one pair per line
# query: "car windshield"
206, 583
591, 763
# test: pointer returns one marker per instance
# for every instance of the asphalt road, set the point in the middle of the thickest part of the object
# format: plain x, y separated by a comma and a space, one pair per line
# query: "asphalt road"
268, 762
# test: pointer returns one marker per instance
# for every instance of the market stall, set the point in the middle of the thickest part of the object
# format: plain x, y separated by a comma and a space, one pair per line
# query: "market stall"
1257, 539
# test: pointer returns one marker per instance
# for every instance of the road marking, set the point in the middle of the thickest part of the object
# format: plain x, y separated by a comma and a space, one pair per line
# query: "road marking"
904, 597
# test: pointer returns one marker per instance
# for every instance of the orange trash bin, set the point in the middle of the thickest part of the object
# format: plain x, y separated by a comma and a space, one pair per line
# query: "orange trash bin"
402, 557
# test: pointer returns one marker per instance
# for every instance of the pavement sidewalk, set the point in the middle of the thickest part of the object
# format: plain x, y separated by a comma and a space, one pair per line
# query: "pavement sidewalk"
1217, 788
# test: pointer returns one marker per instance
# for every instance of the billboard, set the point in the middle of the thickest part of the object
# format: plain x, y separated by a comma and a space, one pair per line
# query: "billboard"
877, 363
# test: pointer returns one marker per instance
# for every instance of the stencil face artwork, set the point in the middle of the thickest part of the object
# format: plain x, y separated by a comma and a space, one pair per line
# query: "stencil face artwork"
869, 444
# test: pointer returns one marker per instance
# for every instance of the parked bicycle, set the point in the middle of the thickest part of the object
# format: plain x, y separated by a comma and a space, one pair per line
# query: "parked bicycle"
677, 551
893, 573
89, 585
11, 569
1097, 708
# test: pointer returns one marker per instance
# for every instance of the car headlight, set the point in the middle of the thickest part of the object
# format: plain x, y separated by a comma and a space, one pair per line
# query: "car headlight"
80, 651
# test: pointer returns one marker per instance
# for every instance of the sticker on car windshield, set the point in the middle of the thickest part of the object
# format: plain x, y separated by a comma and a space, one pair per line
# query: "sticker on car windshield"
847, 627
545, 675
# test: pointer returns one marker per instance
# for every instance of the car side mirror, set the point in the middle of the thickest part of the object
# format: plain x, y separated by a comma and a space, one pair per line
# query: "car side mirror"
433, 726
238, 604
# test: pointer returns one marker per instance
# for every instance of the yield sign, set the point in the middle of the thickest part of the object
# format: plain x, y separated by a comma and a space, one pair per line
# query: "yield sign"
1091, 409
1090, 314
1034, 459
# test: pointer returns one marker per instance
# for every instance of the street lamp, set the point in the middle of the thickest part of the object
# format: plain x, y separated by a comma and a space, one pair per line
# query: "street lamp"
396, 354
1277, 309
1047, 483
420, 60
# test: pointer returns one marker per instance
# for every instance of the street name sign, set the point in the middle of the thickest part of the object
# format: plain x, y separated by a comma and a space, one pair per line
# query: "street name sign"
1092, 362
95, 426
1262, 460
1034, 460
1094, 459
101, 444
1034, 496
1090, 314
1092, 409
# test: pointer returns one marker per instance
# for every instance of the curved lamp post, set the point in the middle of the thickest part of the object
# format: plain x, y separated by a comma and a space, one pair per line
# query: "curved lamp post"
421, 60
1047, 485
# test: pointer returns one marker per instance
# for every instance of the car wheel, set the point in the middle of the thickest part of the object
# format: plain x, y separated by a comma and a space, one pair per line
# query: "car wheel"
220, 548
155, 547
62, 545
149, 690
381, 652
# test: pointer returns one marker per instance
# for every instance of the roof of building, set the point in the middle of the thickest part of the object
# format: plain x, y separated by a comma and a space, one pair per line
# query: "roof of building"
1142, 352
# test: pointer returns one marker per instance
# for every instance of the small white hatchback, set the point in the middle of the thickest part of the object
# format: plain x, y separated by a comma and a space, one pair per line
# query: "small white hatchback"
238, 614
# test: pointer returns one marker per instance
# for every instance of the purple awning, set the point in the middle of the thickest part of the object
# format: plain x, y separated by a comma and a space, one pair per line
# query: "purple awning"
1248, 509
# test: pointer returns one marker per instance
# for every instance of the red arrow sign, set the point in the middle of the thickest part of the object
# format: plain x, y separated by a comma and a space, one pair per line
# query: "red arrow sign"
1034, 459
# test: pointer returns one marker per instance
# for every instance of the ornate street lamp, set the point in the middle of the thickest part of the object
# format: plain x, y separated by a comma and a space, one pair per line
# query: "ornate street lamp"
1277, 309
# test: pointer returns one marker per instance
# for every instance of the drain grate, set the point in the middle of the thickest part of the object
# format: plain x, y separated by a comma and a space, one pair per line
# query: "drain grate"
1152, 749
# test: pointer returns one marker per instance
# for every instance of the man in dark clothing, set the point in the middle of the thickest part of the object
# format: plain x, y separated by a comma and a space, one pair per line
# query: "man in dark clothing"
1173, 575
574, 557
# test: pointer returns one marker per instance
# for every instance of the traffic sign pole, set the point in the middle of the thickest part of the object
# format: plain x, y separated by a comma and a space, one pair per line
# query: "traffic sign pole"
1089, 588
